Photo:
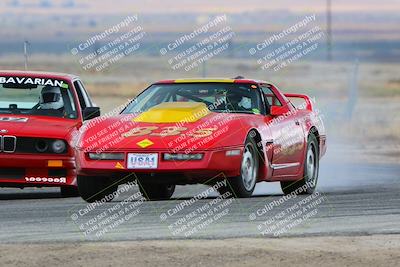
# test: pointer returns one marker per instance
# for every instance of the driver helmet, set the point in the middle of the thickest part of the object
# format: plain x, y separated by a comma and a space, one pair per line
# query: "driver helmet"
233, 99
50, 98
245, 103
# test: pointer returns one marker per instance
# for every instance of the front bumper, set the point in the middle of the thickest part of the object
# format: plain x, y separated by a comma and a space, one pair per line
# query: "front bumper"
28, 170
214, 162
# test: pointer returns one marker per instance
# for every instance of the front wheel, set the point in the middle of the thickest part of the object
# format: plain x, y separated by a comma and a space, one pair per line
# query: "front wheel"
94, 189
243, 185
157, 191
308, 183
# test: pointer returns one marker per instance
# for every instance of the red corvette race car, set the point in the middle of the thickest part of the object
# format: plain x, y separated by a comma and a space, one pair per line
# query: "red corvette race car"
39, 113
190, 131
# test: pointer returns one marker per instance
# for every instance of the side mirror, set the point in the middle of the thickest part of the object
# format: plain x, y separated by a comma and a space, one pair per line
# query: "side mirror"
91, 113
278, 110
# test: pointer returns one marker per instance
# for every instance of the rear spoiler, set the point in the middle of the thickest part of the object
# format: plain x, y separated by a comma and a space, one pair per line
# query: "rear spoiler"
308, 102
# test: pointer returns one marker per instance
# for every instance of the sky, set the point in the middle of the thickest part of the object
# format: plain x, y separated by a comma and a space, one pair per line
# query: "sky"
173, 6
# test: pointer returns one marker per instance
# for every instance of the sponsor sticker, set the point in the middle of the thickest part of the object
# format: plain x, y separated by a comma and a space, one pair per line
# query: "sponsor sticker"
145, 143
32, 81
61, 180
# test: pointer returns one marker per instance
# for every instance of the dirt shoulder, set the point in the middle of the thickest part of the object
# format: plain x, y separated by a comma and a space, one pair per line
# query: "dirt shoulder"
377, 250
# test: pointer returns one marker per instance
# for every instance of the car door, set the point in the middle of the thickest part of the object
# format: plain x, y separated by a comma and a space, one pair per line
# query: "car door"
288, 139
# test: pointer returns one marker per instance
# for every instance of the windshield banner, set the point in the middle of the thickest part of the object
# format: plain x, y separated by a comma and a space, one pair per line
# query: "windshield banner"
33, 81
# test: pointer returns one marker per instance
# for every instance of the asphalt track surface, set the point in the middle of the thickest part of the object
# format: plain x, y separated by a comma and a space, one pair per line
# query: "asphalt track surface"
352, 199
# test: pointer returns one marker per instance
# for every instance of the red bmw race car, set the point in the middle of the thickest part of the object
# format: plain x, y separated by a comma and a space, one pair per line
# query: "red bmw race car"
39, 114
189, 131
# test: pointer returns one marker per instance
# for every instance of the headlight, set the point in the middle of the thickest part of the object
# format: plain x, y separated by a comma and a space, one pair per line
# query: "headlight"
58, 146
169, 156
106, 156
41, 146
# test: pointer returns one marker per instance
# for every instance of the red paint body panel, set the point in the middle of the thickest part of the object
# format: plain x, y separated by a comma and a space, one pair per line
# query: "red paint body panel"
275, 149
31, 169
213, 164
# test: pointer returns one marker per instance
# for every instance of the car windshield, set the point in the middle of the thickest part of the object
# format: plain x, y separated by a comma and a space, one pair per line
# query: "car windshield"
219, 97
36, 96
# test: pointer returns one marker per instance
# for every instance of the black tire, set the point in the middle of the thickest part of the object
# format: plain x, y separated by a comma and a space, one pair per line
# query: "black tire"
226, 191
308, 183
69, 191
243, 185
156, 191
93, 189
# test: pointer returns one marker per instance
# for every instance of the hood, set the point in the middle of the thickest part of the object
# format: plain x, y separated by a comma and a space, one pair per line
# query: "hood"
169, 126
174, 112
36, 126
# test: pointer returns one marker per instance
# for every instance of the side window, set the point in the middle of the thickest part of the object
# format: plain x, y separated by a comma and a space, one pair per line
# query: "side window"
270, 97
70, 108
85, 95
84, 99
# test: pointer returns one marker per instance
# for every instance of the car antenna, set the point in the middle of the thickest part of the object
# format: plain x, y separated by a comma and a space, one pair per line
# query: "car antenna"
239, 77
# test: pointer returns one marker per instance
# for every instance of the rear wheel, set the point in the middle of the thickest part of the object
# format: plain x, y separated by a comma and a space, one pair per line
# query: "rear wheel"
243, 185
69, 191
308, 183
93, 189
156, 191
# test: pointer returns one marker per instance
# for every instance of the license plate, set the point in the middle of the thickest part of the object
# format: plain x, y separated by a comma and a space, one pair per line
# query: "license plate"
142, 161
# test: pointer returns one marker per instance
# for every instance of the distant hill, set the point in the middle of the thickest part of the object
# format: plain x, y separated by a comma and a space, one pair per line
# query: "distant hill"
204, 6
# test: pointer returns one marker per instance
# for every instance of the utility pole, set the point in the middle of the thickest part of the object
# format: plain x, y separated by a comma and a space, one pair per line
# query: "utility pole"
26, 43
353, 90
329, 30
